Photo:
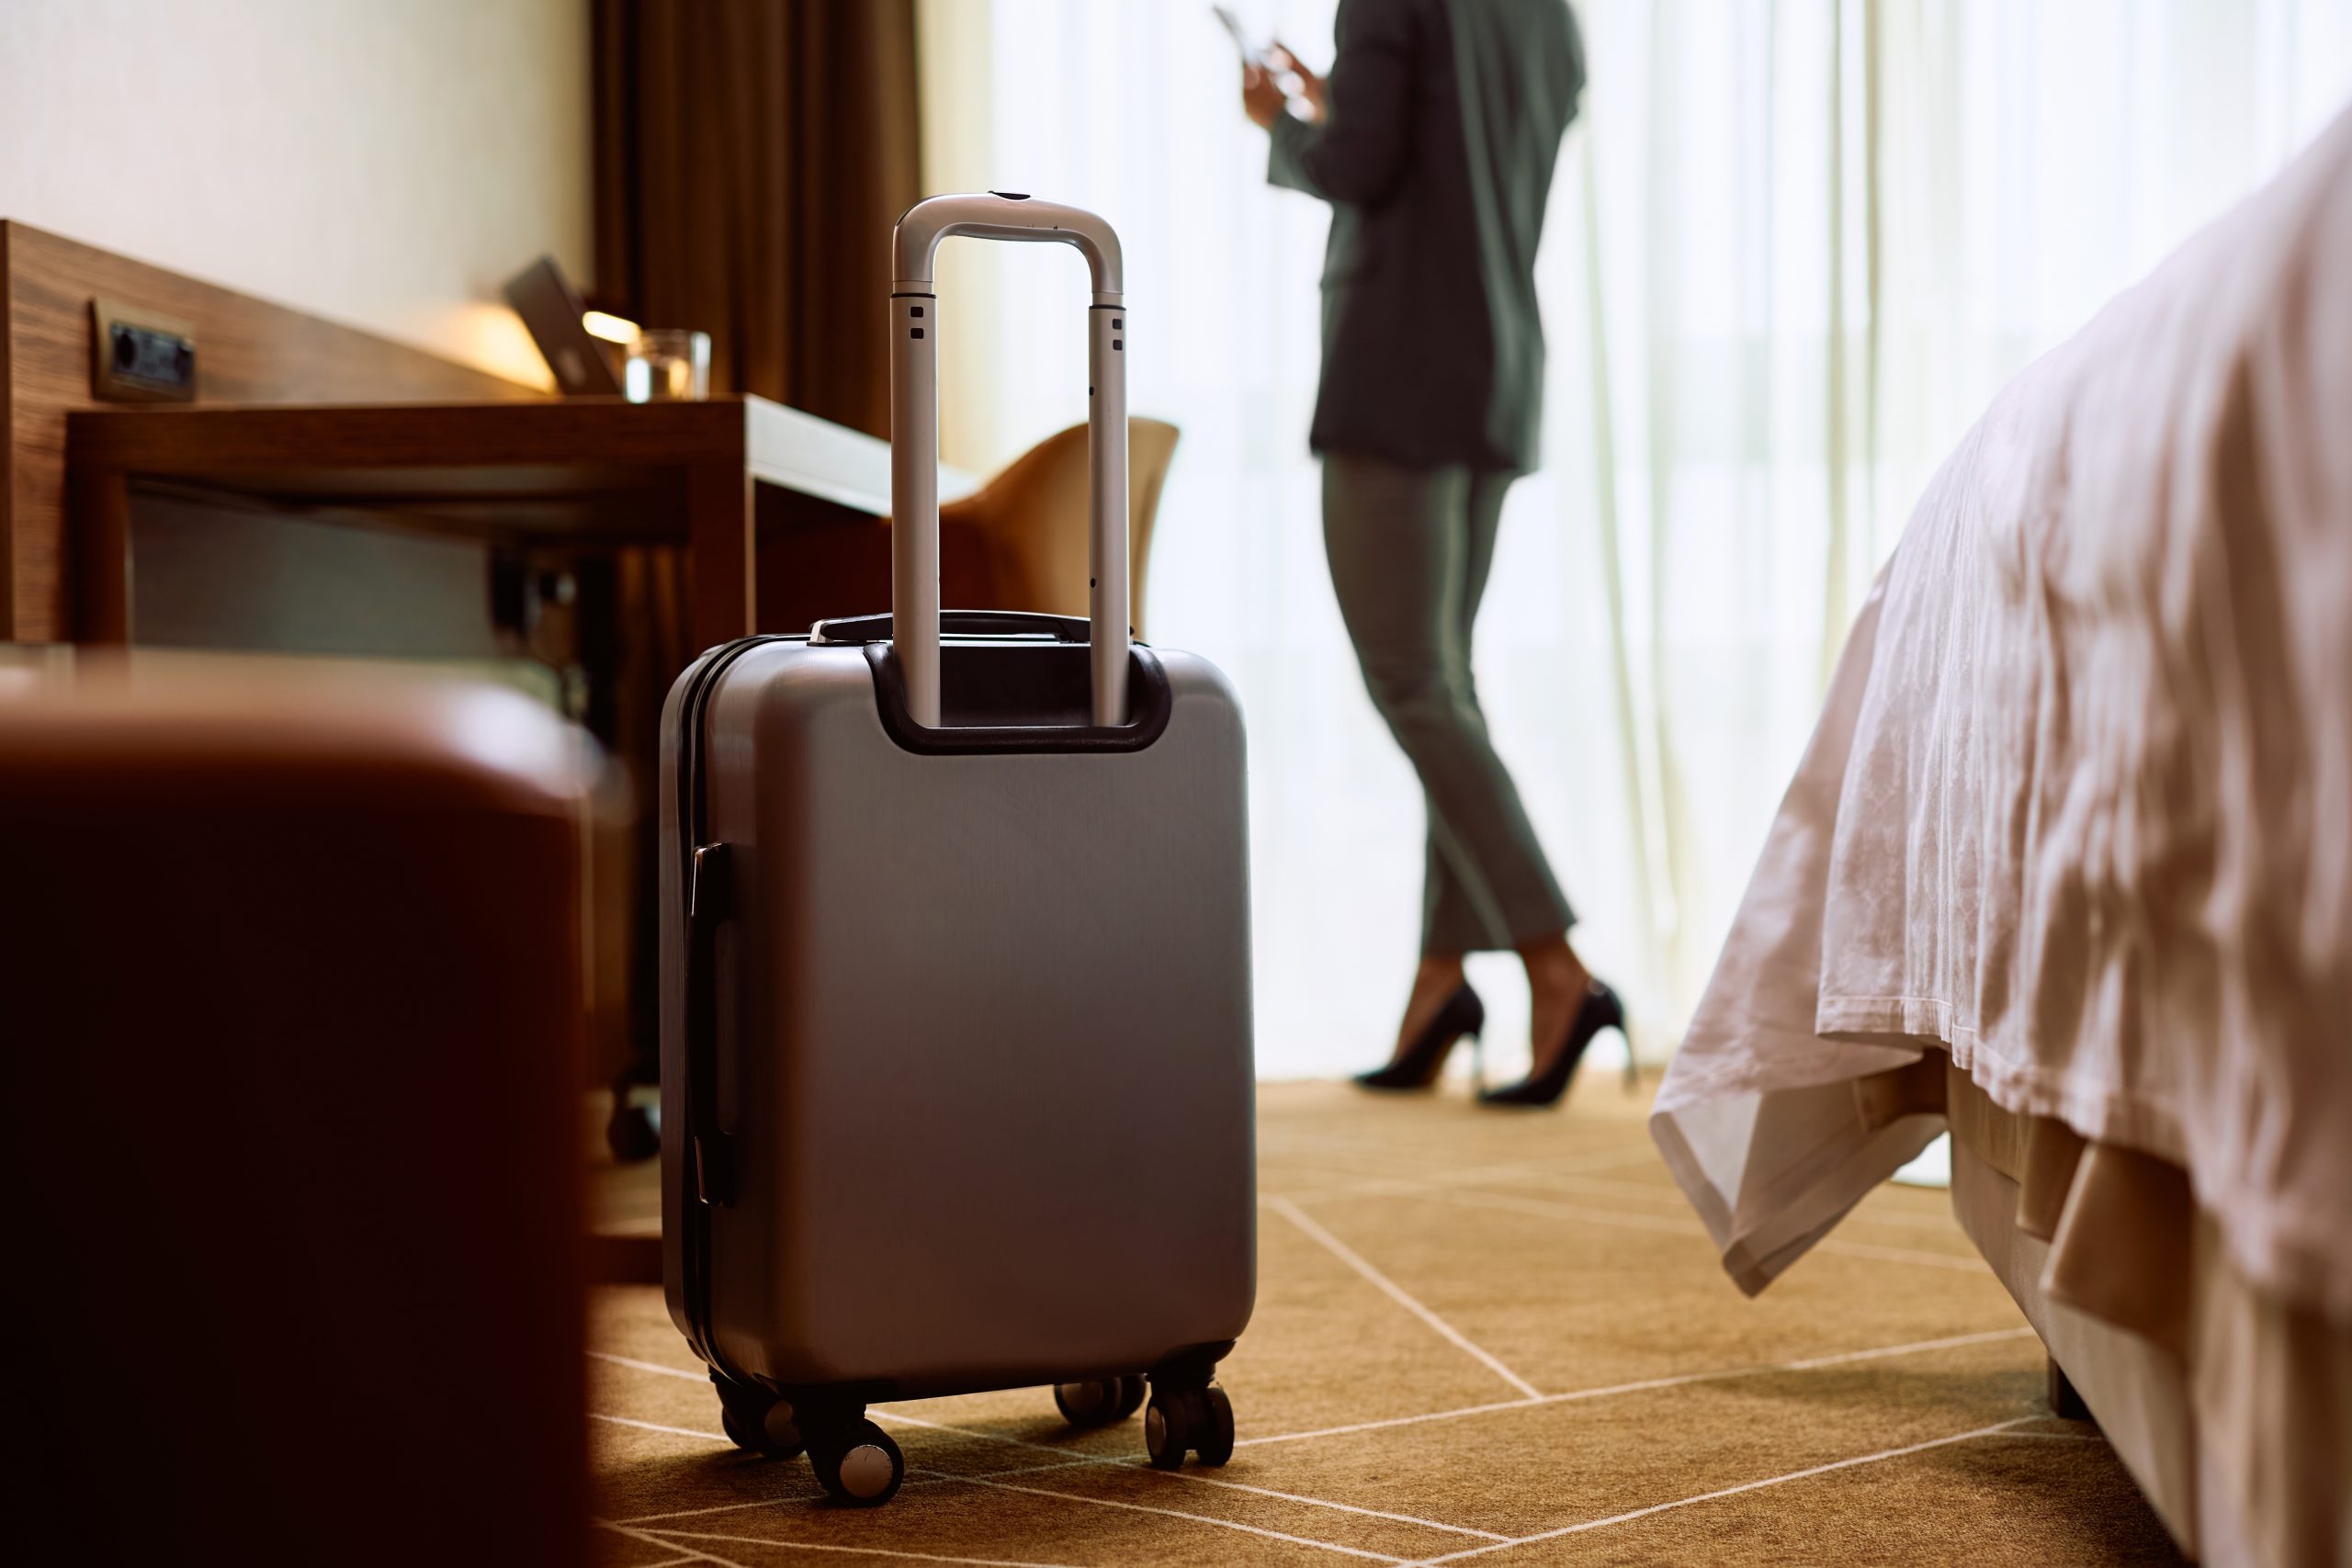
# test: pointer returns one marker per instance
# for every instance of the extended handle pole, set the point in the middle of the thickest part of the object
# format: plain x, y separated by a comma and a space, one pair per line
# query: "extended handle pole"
915, 500
914, 434
1106, 511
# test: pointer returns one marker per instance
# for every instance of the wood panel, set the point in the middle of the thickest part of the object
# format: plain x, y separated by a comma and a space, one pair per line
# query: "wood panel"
248, 351
336, 443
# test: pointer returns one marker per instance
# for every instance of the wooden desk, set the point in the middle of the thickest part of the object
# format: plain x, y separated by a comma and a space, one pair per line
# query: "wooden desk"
248, 351
582, 469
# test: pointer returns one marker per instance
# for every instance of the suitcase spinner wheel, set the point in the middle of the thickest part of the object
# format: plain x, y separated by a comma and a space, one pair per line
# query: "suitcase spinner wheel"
1188, 1420
856, 1462
1098, 1401
757, 1421
632, 1133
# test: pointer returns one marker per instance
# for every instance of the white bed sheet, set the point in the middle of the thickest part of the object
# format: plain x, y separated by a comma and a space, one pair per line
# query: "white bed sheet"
2079, 805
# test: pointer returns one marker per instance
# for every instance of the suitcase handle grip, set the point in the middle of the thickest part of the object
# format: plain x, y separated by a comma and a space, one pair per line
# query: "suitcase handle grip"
914, 433
848, 630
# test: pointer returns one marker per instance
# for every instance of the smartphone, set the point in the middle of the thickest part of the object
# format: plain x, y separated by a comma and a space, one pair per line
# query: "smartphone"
1250, 54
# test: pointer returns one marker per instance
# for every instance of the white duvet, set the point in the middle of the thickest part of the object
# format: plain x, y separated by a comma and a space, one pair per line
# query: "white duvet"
2079, 807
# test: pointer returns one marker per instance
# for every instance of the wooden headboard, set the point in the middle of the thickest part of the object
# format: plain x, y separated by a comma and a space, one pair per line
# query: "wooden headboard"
248, 351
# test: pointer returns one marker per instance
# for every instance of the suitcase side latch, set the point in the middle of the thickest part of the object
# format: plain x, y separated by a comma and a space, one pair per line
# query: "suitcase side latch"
710, 900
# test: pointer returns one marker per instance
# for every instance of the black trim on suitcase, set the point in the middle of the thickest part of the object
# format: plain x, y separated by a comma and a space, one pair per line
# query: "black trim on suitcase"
848, 630
709, 900
708, 1152
966, 679
993, 687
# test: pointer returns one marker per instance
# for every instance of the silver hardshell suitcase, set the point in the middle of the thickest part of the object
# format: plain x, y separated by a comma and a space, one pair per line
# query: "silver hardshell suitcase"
956, 1050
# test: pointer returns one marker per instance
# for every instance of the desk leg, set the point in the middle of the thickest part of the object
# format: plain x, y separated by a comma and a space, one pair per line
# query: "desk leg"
98, 512
719, 541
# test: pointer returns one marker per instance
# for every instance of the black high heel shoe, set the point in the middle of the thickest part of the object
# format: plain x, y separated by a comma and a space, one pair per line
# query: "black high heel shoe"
1602, 1010
1417, 1065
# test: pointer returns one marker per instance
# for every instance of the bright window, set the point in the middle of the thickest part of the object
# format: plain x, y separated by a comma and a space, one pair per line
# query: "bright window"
1792, 253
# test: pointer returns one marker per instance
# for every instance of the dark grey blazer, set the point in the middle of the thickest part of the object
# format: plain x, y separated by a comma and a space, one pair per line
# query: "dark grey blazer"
1445, 122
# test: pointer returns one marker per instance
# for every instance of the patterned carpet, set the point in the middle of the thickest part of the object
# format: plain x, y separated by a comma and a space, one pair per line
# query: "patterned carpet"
1479, 1336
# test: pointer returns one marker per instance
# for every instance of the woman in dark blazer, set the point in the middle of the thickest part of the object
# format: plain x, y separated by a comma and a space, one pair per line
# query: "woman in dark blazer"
1434, 141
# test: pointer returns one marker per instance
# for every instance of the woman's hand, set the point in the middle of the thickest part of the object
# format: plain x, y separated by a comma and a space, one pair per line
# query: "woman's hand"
1262, 95
1310, 85
1262, 98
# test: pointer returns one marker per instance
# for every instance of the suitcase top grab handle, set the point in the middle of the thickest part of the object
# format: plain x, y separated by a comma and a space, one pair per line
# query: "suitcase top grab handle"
914, 434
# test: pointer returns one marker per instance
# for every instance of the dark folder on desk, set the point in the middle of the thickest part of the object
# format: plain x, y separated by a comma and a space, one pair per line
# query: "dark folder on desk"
550, 307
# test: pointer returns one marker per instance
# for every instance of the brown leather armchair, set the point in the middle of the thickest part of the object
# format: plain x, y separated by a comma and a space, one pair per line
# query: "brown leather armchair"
289, 978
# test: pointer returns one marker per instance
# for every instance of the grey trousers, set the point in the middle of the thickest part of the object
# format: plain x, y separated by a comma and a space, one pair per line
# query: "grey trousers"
1409, 550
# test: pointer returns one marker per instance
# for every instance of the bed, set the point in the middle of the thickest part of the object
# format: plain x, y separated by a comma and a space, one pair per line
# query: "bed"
2066, 869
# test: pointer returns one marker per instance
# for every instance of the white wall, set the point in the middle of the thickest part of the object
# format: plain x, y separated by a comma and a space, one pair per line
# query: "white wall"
387, 165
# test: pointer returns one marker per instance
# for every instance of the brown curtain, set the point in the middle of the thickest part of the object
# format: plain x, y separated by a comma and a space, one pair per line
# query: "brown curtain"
751, 158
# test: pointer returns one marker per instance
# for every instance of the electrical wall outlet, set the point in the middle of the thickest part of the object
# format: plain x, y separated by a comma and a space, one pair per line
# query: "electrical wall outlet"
138, 357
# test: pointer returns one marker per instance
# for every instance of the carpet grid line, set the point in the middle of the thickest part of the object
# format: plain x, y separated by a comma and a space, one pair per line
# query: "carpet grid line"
1396, 1293
1171, 1513
1863, 1410
1730, 1491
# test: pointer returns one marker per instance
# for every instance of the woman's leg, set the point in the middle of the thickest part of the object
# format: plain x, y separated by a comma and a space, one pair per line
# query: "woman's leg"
1451, 920
1410, 549
1556, 977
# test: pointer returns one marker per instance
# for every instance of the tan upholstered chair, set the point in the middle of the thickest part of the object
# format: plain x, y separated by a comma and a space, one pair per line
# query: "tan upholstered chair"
1017, 543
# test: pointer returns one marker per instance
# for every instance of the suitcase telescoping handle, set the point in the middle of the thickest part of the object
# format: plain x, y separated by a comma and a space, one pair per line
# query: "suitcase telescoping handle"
914, 433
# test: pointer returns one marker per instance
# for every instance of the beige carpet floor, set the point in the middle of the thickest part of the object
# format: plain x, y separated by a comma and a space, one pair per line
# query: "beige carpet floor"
1480, 1338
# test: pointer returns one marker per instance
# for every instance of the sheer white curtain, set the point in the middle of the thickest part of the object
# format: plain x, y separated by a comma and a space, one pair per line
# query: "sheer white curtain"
1793, 249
